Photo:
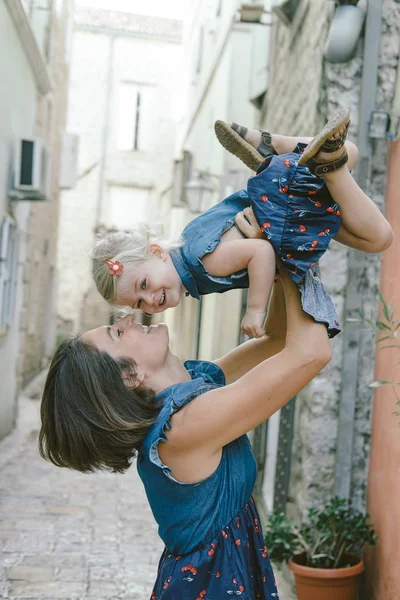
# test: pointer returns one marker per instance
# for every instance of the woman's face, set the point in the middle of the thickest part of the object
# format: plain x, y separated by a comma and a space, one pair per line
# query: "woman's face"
147, 346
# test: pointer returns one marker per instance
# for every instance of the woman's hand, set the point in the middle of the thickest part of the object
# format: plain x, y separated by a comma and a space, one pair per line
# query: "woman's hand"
248, 225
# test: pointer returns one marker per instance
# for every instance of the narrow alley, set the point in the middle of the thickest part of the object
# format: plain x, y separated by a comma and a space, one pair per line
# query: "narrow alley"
67, 535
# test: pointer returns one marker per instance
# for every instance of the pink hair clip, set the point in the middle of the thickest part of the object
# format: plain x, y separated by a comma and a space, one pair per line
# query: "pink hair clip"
115, 268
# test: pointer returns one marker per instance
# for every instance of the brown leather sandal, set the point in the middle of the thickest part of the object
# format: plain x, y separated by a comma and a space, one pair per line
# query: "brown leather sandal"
321, 168
322, 143
232, 139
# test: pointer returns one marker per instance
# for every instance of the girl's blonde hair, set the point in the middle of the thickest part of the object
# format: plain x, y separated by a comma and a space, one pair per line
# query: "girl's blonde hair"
129, 248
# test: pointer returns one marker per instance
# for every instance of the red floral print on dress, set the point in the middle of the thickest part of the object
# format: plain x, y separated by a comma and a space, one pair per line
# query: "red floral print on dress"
316, 203
283, 186
334, 209
212, 550
167, 582
189, 570
265, 228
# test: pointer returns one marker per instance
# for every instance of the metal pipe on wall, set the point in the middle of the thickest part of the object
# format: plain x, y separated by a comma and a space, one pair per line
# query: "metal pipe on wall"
395, 112
353, 300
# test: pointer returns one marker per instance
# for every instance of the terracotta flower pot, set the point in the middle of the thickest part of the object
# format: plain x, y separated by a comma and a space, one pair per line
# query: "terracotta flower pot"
326, 584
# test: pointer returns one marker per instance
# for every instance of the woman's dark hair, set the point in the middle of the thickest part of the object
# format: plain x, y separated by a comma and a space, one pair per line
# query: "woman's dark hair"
90, 418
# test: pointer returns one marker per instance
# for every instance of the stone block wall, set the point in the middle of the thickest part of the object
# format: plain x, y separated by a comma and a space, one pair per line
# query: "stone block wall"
295, 106
296, 64
304, 89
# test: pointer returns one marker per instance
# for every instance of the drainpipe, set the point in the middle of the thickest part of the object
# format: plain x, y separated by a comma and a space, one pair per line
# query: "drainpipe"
395, 115
351, 332
106, 128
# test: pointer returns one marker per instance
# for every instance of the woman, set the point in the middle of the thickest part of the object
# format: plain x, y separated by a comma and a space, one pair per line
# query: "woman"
117, 390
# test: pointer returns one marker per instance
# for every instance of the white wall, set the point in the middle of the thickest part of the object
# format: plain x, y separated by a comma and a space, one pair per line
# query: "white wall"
17, 119
220, 89
101, 64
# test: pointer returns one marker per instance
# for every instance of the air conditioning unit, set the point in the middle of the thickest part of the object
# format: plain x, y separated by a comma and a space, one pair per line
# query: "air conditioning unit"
31, 170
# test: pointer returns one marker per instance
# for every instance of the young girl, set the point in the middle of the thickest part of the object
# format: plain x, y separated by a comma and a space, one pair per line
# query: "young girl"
296, 200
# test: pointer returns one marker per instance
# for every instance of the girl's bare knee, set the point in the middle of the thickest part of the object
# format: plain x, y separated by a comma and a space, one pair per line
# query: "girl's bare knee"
383, 238
387, 236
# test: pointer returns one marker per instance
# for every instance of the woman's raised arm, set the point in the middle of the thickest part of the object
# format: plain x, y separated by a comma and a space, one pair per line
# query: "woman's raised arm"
218, 417
245, 357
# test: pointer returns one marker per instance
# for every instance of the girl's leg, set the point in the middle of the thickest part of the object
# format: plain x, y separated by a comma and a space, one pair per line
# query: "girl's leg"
363, 225
284, 144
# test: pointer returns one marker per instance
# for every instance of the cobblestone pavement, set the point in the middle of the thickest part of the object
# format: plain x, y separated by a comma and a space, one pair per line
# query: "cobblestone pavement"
68, 535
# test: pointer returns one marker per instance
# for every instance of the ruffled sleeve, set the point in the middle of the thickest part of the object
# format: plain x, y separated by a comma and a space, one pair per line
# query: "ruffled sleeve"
205, 376
209, 371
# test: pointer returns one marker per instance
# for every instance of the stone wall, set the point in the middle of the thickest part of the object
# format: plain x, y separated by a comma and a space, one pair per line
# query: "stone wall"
303, 90
299, 72
295, 107
295, 70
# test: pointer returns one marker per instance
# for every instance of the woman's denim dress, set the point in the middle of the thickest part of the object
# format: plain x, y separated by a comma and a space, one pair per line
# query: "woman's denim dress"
214, 545
297, 215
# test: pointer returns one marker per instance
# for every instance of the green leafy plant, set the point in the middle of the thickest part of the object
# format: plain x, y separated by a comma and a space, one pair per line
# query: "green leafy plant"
326, 538
388, 328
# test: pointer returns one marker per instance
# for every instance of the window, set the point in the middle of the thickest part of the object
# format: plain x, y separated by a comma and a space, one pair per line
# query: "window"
8, 272
200, 50
58, 7
286, 9
129, 117
127, 206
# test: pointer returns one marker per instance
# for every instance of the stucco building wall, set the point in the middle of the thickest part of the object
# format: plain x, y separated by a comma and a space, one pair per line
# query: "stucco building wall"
17, 119
38, 319
105, 56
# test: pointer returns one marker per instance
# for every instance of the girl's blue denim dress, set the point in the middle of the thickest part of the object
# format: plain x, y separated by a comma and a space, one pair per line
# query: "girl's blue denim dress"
297, 215
214, 545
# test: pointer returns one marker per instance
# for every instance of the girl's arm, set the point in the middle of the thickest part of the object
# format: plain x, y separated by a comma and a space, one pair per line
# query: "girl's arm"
258, 258
216, 418
245, 357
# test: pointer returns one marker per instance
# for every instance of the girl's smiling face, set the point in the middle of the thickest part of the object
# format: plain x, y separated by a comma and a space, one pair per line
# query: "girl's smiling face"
153, 285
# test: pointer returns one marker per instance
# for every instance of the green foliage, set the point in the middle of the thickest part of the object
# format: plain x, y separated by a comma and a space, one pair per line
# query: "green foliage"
388, 328
326, 537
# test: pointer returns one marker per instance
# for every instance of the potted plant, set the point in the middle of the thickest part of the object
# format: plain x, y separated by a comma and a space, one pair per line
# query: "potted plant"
324, 552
